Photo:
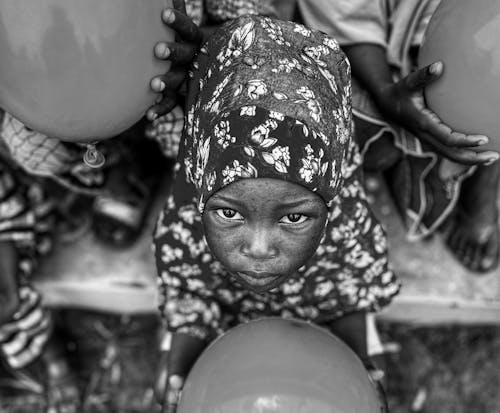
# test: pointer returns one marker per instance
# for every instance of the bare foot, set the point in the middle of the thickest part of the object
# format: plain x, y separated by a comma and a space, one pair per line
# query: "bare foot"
474, 233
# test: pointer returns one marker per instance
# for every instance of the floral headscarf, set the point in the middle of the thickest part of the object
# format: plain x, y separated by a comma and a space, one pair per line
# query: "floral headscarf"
283, 115
269, 98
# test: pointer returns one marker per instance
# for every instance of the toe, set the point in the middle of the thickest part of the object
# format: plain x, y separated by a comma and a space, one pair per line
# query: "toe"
489, 256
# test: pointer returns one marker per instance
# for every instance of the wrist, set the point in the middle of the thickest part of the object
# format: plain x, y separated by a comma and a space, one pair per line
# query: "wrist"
184, 351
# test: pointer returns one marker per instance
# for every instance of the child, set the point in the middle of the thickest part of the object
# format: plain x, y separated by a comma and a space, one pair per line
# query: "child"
400, 135
267, 214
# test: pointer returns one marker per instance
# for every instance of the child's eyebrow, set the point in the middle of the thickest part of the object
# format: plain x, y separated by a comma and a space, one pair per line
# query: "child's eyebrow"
298, 202
227, 199
283, 204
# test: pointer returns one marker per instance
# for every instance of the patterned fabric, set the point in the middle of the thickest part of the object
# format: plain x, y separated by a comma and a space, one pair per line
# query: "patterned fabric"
270, 99
253, 142
26, 219
40, 155
25, 216
23, 338
167, 129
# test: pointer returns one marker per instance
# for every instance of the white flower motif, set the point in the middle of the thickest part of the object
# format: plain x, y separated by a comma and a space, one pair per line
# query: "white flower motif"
201, 161
311, 165
316, 52
331, 44
169, 281
280, 96
276, 115
247, 111
306, 93
308, 170
188, 214
287, 65
194, 284
213, 103
323, 288
241, 39
222, 133
274, 31
260, 134
282, 153
302, 30
314, 109
256, 88
279, 158
230, 173
249, 151
169, 254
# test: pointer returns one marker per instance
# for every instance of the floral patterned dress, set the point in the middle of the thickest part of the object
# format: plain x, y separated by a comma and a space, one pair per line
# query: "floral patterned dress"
270, 99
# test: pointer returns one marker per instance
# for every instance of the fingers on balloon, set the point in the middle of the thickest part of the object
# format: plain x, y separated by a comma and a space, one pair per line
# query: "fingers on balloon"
419, 79
448, 136
172, 80
460, 140
183, 25
471, 157
178, 53
161, 108
179, 5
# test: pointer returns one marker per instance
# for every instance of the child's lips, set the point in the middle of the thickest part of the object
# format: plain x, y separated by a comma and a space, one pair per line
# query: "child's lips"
258, 279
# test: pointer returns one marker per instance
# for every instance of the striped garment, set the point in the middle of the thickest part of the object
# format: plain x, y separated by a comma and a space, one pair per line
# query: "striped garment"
25, 220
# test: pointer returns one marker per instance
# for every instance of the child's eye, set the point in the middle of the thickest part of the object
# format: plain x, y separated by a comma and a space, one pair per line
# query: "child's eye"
228, 213
293, 219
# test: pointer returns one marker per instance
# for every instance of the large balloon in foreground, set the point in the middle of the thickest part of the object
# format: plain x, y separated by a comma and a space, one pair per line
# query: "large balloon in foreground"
464, 35
79, 70
278, 366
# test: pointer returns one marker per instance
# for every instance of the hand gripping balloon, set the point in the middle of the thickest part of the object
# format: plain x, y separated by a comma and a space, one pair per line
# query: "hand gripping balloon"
463, 34
79, 70
274, 365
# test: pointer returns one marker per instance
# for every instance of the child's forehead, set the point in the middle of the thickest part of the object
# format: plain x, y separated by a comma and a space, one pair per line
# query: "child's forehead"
267, 189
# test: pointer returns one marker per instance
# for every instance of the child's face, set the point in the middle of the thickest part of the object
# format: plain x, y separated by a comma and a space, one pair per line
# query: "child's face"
263, 230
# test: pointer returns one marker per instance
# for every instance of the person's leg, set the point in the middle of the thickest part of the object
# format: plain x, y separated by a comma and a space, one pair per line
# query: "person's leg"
474, 233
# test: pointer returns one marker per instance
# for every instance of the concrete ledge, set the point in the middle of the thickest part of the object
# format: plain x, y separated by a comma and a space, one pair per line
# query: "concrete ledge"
436, 288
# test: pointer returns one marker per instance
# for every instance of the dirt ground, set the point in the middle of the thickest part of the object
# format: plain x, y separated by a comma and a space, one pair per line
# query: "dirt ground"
448, 369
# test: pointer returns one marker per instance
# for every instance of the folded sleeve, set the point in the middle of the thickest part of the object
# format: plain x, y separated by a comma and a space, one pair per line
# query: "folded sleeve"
348, 21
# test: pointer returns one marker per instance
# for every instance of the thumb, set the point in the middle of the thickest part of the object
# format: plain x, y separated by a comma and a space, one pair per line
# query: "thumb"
419, 79
175, 384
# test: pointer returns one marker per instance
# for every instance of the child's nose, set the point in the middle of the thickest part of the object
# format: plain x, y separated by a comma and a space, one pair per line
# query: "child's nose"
259, 244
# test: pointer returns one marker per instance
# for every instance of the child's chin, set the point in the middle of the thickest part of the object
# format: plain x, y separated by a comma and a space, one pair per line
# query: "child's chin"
259, 288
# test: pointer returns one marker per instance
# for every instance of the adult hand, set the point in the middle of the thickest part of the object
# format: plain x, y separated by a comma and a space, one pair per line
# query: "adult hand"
180, 53
403, 104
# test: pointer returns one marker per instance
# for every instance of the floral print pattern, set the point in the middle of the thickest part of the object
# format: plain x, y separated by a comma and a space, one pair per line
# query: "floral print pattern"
286, 116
